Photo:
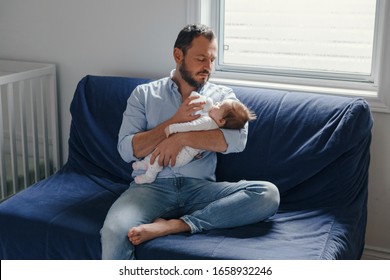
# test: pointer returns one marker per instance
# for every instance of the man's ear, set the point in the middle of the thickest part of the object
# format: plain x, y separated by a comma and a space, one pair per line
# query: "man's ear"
178, 55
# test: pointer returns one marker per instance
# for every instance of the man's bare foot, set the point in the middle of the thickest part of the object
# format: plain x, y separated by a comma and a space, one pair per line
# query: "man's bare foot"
158, 228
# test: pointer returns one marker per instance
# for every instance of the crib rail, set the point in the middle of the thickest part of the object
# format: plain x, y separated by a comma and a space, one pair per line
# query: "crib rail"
29, 139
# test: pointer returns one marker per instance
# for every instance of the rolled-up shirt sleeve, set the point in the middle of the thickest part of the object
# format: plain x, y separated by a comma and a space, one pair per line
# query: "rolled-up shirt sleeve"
133, 122
235, 139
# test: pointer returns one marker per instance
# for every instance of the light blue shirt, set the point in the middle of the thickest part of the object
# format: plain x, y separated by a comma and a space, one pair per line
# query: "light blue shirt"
153, 103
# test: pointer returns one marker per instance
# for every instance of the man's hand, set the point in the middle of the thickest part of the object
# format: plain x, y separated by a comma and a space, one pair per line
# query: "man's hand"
186, 111
167, 151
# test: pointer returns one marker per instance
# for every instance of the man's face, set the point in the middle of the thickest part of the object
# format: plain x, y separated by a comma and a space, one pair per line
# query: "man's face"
197, 64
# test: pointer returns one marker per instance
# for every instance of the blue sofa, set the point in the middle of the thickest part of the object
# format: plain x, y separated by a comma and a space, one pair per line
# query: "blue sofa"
315, 148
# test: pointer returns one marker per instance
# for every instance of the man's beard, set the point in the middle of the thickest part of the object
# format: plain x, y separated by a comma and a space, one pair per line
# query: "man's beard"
186, 75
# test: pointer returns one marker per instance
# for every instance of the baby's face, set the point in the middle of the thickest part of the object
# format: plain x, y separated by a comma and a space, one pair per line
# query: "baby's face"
217, 111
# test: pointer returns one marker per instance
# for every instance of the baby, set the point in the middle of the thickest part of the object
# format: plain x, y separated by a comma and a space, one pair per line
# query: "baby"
231, 114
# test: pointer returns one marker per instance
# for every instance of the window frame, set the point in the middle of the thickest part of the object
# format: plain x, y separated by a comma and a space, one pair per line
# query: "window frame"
377, 92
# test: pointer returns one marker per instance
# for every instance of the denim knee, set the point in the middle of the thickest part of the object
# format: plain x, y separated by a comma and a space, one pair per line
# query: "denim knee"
273, 197
268, 199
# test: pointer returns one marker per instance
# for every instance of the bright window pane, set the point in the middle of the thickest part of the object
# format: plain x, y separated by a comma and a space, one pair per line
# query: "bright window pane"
328, 36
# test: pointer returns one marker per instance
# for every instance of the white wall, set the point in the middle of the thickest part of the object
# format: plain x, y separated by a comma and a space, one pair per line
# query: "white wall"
102, 37
135, 38
378, 228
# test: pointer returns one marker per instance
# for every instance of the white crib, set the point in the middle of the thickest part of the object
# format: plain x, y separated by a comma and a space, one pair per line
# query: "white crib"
29, 138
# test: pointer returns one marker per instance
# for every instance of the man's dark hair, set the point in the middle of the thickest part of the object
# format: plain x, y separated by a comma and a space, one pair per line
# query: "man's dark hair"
189, 33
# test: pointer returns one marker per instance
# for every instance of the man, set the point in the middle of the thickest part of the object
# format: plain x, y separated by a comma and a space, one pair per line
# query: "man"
186, 198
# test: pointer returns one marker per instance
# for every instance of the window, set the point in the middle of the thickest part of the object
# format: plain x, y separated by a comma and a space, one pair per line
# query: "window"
326, 38
325, 46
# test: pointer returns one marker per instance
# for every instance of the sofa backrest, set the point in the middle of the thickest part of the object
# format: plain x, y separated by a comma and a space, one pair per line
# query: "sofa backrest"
97, 109
315, 148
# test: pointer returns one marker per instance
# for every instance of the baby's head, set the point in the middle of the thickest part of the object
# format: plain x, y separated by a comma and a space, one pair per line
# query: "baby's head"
231, 114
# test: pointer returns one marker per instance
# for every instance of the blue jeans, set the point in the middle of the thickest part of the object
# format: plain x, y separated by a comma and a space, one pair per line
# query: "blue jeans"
203, 205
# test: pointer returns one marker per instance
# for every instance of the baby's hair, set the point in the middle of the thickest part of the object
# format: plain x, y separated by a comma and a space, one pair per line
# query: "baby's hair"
238, 115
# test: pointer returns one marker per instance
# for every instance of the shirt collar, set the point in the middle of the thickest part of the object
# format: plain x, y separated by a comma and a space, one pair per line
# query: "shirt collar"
172, 84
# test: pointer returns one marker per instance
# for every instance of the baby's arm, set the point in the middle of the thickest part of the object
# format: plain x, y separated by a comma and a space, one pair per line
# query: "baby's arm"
202, 123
